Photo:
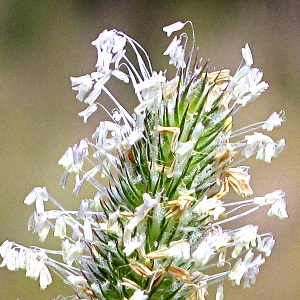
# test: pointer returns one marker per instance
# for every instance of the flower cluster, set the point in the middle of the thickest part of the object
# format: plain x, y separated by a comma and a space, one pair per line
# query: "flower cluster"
161, 178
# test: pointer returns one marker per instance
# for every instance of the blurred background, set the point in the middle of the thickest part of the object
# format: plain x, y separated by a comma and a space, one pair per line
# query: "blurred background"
43, 43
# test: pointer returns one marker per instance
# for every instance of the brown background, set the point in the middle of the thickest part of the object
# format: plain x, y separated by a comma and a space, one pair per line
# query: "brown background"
43, 43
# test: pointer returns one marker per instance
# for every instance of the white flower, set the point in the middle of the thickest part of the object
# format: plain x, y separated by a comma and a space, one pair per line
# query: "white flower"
209, 206
103, 62
35, 267
239, 81
84, 208
105, 129
273, 121
243, 237
254, 142
263, 145
105, 39
31, 260
209, 246
40, 224
60, 229
256, 87
204, 252
113, 229
249, 85
111, 136
269, 198
266, 153
13, 258
280, 145
83, 85
111, 225
247, 269
13, 263
98, 87
116, 115
277, 202
278, 208
131, 139
37, 195
74, 157
173, 27
10, 260
176, 53
172, 48
87, 176
71, 251
252, 271
184, 150
119, 44
108, 44
265, 245
5, 247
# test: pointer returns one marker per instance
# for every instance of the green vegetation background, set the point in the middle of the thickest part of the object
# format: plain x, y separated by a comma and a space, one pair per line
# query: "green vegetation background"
43, 43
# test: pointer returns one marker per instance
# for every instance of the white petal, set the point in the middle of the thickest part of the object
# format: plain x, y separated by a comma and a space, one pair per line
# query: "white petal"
87, 229
75, 280
120, 75
280, 145
88, 112
197, 132
67, 159
6, 246
12, 259
278, 208
36, 193
60, 228
82, 84
173, 46
103, 36
132, 246
220, 292
22, 258
119, 43
43, 233
273, 121
173, 27
45, 277
247, 55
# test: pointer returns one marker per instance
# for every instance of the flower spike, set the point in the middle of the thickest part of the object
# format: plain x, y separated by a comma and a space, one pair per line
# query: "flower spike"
163, 179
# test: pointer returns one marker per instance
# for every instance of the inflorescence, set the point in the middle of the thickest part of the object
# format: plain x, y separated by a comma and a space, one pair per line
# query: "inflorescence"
153, 229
